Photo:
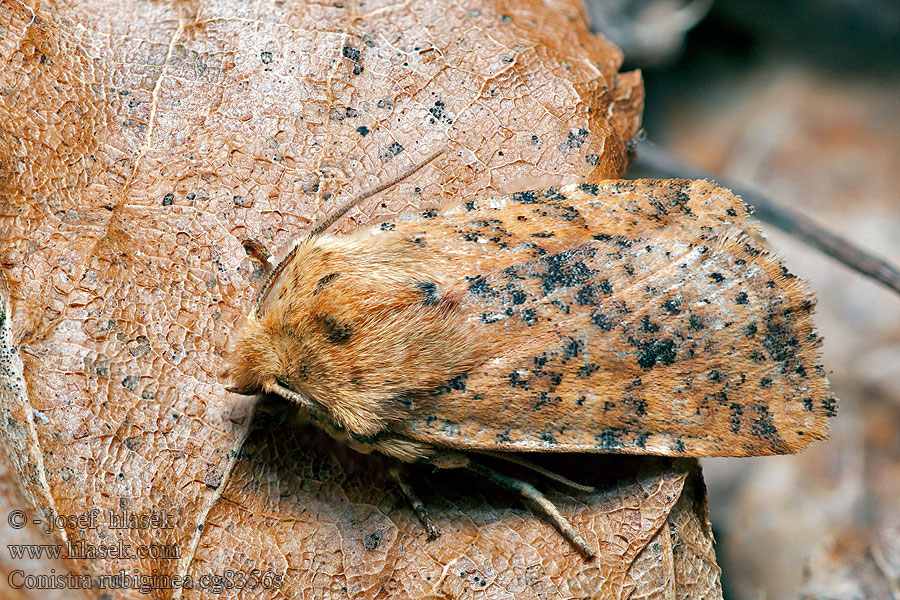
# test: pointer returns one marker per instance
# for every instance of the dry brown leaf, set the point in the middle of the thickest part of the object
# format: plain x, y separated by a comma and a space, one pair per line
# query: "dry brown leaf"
13, 570
140, 146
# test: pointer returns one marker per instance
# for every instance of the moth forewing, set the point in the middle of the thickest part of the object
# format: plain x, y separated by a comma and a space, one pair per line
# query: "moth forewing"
683, 348
633, 317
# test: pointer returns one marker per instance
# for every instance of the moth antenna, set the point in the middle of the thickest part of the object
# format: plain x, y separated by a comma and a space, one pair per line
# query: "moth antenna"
5, 300
375, 190
532, 493
522, 462
274, 272
255, 250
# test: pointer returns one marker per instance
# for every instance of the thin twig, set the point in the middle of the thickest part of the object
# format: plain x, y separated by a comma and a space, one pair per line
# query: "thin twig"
656, 162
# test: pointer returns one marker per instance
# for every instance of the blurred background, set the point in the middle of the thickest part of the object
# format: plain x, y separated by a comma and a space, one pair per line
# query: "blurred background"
802, 100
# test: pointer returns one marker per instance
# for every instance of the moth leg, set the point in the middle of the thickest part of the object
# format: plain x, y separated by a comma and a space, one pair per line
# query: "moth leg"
430, 526
522, 462
530, 492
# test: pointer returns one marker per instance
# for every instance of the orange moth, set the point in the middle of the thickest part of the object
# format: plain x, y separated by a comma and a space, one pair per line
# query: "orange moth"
634, 317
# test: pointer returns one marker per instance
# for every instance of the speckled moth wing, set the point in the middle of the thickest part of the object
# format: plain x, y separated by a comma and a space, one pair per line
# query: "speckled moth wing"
633, 317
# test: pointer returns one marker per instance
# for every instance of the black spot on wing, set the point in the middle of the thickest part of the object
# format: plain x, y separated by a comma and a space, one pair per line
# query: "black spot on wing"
480, 287
524, 197
458, 384
438, 113
648, 326
335, 331
543, 398
572, 348
562, 306
780, 341
323, 281
587, 370
737, 411
529, 316
661, 351
608, 439
351, 53
763, 426
389, 152
491, 318
830, 406
587, 295
671, 307
566, 269
429, 290
515, 380
603, 321
404, 401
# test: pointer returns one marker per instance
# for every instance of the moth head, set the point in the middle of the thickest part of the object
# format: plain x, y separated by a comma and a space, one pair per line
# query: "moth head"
261, 362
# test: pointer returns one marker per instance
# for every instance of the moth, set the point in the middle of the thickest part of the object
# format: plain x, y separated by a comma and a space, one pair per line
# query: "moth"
635, 317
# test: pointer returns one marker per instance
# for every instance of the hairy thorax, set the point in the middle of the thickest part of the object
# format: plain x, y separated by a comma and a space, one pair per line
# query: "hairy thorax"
362, 327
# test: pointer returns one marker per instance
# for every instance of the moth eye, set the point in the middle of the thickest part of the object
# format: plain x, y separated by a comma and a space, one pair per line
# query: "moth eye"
335, 331
429, 290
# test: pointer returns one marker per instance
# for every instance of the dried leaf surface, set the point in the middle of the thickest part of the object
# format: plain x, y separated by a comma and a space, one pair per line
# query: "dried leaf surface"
13, 569
139, 147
